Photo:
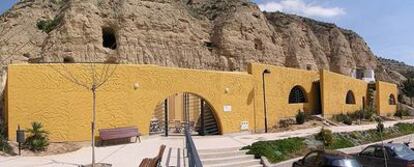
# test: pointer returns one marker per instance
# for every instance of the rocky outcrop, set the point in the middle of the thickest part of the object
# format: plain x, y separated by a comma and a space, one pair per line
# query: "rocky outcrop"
20, 39
396, 70
201, 34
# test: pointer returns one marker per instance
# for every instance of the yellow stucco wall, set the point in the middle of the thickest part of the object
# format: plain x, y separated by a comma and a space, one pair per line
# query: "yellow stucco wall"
384, 90
279, 83
39, 93
334, 89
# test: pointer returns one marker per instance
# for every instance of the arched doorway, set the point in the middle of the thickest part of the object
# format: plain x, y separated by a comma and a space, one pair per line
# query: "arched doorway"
173, 113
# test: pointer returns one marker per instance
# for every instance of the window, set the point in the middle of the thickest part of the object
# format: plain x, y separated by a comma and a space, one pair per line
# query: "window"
109, 38
391, 100
368, 151
379, 152
297, 95
350, 98
311, 159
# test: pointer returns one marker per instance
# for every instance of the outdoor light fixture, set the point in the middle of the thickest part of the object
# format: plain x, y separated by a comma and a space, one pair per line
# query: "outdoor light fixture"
266, 71
227, 90
20, 137
136, 85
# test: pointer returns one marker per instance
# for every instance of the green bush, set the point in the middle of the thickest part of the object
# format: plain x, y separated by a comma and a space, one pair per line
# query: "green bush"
276, 150
37, 139
4, 144
325, 136
347, 120
365, 114
401, 113
48, 25
300, 118
340, 117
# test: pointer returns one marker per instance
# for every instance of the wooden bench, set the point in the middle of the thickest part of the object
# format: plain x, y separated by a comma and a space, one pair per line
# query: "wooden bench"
119, 133
153, 162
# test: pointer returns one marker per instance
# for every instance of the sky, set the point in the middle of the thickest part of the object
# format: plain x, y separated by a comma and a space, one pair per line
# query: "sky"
386, 25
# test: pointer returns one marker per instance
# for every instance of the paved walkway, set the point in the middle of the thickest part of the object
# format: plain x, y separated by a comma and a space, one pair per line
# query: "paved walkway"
131, 154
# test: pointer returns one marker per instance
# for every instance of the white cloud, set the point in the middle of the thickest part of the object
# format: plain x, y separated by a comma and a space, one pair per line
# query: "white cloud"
301, 8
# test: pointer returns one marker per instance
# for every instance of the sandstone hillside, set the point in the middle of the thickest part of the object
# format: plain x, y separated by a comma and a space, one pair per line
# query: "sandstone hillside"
201, 34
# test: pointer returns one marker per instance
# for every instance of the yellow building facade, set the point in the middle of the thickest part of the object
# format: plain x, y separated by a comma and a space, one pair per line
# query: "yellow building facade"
134, 94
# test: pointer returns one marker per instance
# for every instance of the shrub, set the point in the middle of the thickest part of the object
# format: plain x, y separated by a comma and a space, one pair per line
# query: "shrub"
363, 114
4, 144
300, 117
401, 113
284, 123
347, 120
48, 25
277, 150
37, 139
339, 117
325, 136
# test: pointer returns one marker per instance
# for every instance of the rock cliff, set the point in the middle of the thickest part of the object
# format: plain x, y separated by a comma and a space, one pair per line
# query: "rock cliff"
201, 34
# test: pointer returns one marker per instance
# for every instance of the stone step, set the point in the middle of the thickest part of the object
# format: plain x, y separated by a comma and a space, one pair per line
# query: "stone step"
228, 149
173, 157
222, 154
221, 160
245, 163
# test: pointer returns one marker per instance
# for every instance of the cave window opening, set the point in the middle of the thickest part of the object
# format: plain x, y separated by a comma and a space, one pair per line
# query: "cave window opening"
68, 59
109, 38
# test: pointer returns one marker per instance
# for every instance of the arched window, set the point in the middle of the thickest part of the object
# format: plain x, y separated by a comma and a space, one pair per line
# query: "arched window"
391, 100
350, 98
297, 95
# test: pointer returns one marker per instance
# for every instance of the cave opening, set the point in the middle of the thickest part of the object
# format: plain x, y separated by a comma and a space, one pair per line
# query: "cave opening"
68, 59
109, 38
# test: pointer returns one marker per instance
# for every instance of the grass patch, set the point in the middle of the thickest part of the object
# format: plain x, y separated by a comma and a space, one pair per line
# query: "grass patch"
277, 150
340, 142
281, 150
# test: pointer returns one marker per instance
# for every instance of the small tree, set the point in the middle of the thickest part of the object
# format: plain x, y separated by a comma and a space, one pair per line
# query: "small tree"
325, 136
408, 89
91, 73
37, 139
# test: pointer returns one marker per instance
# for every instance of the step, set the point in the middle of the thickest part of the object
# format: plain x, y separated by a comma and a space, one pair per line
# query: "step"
210, 129
173, 157
222, 154
226, 149
221, 160
245, 163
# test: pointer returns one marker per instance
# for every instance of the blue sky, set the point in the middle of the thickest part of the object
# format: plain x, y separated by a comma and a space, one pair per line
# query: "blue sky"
386, 25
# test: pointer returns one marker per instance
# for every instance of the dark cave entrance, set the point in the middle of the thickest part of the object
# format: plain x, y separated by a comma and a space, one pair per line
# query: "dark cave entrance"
109, 38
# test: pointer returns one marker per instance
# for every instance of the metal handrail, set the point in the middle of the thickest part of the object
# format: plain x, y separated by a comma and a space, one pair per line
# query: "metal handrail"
192, 154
